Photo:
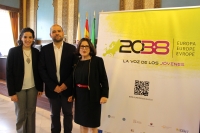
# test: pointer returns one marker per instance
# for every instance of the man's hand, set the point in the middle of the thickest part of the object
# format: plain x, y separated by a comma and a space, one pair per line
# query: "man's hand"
58, 89
70, 99
63, 87
14, 98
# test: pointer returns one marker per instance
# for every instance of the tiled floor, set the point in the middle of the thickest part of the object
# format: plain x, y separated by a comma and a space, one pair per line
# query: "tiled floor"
7, 118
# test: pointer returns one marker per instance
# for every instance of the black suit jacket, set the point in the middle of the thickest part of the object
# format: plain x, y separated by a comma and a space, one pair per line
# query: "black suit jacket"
97, 79
15, 70
47, 68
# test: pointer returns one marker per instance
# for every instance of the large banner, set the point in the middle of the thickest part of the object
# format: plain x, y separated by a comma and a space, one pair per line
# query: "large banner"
152, 58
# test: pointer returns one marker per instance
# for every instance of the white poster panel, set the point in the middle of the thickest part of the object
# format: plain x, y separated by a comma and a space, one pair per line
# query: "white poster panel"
152, 59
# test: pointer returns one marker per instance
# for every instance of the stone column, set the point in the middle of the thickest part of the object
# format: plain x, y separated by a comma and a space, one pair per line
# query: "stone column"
139, 4
31, 10
70, 19
58, 11
24, 13
129, 4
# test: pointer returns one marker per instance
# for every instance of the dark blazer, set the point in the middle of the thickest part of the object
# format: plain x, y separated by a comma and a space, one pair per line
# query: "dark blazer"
47, 68
15, 70
98, 81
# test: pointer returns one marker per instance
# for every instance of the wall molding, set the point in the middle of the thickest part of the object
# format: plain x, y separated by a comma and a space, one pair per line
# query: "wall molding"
9, 8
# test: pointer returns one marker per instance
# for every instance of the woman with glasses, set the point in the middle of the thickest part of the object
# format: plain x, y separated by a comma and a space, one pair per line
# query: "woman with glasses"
90, 87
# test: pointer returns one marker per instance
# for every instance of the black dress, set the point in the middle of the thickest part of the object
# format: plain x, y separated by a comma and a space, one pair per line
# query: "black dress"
87, 112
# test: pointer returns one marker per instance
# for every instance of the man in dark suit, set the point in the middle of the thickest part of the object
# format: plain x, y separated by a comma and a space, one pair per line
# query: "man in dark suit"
55, 66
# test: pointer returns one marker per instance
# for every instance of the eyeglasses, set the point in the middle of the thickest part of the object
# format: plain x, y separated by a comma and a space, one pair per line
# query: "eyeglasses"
82, 47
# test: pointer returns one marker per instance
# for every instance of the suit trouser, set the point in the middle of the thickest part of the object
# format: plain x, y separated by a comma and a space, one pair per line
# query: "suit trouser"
25, 110
56, 104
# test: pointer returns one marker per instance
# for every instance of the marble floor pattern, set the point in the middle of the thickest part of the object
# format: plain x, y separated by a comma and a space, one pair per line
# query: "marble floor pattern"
7, 118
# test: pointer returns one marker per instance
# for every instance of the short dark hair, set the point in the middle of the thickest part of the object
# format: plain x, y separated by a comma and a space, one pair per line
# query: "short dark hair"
91, 46
27, 29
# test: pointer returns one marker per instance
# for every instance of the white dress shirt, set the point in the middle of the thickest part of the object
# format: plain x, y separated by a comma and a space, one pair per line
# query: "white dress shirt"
58, 53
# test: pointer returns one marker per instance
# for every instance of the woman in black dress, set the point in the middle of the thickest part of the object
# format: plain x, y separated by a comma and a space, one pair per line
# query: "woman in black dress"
90, 87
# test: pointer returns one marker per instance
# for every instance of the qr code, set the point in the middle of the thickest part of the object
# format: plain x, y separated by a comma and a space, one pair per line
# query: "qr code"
141, 88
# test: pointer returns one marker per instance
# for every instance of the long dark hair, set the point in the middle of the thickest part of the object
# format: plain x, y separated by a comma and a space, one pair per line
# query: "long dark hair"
92, 49
27, 29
